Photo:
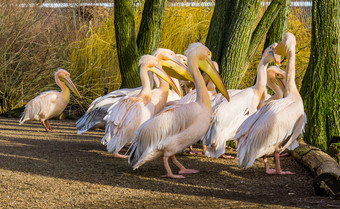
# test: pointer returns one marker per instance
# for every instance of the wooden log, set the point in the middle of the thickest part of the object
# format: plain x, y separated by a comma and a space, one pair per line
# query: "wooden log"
324, 167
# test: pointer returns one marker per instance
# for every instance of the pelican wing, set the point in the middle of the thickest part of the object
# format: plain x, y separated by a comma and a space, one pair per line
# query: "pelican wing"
274, 126
122, 121
94, 116
226, 118
40, 106
156, 133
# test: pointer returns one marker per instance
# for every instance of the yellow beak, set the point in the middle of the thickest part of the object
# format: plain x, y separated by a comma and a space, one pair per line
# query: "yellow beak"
73, 88
209, 68
176, 69
161, 73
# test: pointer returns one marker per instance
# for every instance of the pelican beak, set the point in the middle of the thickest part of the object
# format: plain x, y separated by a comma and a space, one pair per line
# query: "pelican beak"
280, 49
276, 57
207, 66
161, 73
73, 88
176, 69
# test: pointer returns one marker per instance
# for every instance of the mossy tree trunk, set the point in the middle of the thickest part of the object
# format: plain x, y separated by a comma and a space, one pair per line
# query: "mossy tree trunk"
232, 37
321, 83
126, 43
151, 26
219, 25
279, 26
262, 29
129, 48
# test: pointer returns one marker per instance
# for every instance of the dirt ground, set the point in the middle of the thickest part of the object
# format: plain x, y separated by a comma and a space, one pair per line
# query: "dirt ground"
65, 170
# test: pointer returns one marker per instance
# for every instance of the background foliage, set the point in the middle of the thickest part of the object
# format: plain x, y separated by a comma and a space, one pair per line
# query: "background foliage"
37, 41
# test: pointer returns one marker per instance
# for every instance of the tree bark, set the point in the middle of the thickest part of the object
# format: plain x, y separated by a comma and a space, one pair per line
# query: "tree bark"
237, 42
151, 26
321, 83
126, 43
219, 25
262, 28
279, 26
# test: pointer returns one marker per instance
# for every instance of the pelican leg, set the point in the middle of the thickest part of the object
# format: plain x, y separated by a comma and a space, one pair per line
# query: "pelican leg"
204, 149
277, 169
182, 170
169, 173
45, 126
266, 167
48, 125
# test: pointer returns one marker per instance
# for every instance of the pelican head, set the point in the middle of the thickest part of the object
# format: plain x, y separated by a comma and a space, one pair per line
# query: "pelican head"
172, 64
64, 76
287, 44
269, 54
277, 76
203, 54
151, 63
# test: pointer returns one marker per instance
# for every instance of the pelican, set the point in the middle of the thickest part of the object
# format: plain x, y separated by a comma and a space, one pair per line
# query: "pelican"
125, 116
275, 81
49, 104
276, 124
228, 116
94, 116
176, 128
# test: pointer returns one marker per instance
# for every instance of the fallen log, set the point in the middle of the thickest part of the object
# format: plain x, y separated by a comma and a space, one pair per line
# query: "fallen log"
323, 166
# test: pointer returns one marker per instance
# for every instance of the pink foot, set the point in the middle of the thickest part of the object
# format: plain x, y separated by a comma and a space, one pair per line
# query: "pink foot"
193, 152
188, 171
120, 156
173, 176
227, 156
273, 171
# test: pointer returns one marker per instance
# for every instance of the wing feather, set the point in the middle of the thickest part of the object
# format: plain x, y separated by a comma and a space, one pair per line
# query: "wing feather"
122, 121
265, 131
226, 118
94, 116
156, 133
39, 106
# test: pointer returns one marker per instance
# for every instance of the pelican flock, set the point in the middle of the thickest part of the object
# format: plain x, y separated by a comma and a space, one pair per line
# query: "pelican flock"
155, 121
176, 128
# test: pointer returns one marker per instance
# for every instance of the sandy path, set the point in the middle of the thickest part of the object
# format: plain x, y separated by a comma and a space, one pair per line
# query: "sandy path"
63, 169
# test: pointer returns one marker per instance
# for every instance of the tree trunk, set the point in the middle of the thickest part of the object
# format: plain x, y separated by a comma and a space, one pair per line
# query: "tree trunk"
151, 26
262, 28
126, 43
279, 26
220, 23
321, 83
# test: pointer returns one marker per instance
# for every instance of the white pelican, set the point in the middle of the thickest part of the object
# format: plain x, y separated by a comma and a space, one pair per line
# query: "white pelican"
174, 129
50, 104
275, 125
125, 116
94, 116
276, 82
228, 116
